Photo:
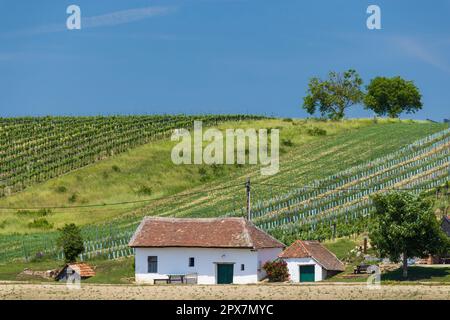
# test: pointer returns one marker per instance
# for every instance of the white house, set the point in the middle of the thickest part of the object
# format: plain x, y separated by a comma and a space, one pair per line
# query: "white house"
215, 250
309, 261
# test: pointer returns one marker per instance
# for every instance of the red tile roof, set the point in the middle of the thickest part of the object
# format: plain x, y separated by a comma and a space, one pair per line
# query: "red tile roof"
201, 232
313, 249
83, 269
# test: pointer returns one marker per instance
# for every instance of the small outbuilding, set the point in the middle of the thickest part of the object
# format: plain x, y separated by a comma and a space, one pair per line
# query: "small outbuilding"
203, 250
75, 270
309, 261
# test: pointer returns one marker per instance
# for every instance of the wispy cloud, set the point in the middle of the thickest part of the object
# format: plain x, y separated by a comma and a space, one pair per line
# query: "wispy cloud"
104, 20
125, 16
424, 52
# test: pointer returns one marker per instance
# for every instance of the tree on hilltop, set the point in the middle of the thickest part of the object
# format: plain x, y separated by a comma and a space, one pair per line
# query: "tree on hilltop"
392, 96
334, 95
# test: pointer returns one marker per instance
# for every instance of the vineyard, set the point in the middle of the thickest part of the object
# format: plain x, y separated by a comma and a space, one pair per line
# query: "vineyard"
34, 150
337, 204
343, 199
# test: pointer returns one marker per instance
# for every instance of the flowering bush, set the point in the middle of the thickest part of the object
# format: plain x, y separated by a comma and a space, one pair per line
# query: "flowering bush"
276, 270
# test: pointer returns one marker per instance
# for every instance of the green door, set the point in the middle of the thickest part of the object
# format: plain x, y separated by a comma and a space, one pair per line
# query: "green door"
224, 273
307, 273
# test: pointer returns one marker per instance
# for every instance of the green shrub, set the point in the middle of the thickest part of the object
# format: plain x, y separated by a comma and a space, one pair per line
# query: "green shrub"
2, 224
276, 270
203, 174
73, 198
287, 142
217, 169
316, 132
115, 168
40, 223
39, 257
30, 213
144, 190
61, 189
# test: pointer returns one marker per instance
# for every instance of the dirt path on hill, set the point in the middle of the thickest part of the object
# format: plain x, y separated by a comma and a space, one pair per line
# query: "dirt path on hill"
252, 292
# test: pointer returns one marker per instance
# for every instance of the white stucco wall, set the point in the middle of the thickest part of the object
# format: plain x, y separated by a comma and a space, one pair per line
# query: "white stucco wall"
176, 261
264, 255
294, 270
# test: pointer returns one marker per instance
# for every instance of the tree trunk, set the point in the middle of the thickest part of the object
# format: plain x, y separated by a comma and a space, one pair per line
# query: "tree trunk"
405, 265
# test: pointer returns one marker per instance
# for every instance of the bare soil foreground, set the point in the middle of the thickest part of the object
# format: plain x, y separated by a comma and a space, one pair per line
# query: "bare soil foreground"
250, 292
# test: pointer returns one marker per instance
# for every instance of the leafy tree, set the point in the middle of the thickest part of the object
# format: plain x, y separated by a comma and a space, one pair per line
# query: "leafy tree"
334, 95
71, 241
404, 227
392, 96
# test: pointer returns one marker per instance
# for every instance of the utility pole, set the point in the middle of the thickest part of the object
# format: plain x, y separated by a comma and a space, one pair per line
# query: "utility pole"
247, 188
365, 245
334, 231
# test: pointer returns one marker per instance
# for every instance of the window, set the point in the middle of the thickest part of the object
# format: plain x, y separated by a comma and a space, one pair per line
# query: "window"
242, 267
152, 264
191, 262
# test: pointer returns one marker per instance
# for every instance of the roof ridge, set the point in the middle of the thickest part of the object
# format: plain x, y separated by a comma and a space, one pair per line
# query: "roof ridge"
330, 252
326, 249
137, 231
247, 233
306, 250
265, 233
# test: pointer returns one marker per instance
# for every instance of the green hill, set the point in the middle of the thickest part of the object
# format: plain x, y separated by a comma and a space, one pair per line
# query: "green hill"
143, 181
35, 149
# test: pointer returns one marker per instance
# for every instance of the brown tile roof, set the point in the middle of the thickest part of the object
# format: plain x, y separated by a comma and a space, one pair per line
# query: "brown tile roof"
201, 232
83, 269
313, 249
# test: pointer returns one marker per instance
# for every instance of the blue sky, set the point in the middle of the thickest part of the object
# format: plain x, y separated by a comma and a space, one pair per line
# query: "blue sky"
212, 56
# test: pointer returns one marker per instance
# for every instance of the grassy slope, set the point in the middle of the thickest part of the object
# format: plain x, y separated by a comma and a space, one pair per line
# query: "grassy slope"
107, 271
341, 247
302, 163
346, 144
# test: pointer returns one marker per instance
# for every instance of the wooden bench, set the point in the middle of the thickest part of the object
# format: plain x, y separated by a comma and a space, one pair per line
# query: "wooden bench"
361, 268
176, 278
155, 281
